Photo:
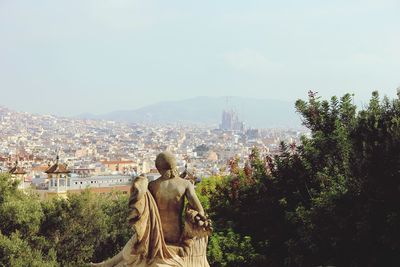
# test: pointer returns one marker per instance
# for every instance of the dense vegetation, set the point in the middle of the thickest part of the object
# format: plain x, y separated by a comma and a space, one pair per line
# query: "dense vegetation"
59, 232
333, 199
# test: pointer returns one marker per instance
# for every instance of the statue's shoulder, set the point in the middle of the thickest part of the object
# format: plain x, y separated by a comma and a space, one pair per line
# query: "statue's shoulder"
185, 182
153, 184
139, 183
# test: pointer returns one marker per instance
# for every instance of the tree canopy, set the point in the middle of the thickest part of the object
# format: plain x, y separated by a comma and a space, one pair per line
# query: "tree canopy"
333, 199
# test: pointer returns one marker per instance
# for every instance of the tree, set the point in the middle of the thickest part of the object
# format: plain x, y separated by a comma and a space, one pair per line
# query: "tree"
70, 232
20, 216
331, 200
15, 251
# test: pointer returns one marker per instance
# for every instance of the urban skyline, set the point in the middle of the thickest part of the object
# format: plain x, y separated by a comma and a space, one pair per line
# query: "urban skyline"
55, 155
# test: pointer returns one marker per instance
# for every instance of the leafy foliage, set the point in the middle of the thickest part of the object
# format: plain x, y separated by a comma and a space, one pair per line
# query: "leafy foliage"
20, 218
66, 232
331, 200
15, 251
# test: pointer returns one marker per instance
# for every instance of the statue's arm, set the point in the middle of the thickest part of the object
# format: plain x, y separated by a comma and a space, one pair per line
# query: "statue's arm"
197, 223
193, 199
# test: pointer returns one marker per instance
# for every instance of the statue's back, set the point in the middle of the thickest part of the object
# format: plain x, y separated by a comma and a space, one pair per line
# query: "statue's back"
169, 195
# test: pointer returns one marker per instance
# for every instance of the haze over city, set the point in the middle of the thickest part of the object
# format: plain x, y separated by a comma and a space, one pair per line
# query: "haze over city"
68, 58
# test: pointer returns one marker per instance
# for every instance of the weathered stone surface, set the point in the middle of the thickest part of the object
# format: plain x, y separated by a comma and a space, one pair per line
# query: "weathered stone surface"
156, 218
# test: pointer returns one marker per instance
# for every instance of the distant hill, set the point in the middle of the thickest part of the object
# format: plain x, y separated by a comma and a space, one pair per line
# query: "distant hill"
260, 113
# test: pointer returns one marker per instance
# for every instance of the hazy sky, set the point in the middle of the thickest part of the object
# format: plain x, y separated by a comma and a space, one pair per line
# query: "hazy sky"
70, 57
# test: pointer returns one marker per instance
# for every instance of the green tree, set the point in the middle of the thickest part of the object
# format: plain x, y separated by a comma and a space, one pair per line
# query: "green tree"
74, 227
15, 251
330, 200
118, 232
21, 215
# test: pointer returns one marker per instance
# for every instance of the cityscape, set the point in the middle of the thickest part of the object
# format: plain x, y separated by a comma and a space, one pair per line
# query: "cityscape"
106, 155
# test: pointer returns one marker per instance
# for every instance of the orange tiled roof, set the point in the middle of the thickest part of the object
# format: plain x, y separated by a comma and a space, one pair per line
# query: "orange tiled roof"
57, 168
17, 170
40, 168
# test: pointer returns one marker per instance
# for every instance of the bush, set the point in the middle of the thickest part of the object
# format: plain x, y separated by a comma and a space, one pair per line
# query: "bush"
331, 200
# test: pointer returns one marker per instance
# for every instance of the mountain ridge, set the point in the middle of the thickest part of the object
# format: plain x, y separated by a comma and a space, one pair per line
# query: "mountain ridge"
255, 112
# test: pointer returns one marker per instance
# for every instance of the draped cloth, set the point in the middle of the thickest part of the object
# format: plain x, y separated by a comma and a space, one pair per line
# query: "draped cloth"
147, 247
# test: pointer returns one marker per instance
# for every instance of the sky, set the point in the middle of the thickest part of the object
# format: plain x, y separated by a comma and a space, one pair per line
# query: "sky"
77, 56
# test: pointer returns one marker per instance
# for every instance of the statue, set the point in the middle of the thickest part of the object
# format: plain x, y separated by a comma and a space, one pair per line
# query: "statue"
162, 236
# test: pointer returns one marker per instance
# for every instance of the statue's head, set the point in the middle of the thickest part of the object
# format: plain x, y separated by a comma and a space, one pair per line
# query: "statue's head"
165, 161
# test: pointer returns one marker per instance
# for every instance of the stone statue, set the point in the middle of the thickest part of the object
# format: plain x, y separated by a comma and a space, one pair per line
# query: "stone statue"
165, 232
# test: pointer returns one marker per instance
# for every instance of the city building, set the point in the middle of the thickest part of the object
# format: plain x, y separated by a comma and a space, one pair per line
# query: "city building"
18, 173
104, 155
230, 121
